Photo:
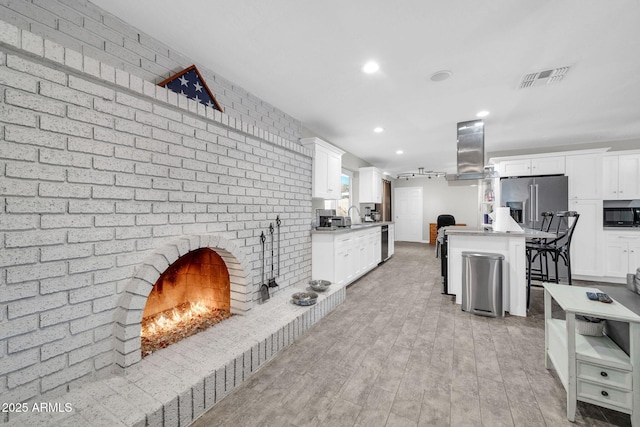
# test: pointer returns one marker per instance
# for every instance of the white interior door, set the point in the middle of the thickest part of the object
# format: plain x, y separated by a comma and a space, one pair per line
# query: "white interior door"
408, 214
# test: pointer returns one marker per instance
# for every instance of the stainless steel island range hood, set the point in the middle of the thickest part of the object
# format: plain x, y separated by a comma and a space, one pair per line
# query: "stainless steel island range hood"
471, 153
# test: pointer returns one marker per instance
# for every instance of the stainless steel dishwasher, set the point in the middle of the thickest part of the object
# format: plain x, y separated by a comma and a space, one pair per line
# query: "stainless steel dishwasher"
384, 247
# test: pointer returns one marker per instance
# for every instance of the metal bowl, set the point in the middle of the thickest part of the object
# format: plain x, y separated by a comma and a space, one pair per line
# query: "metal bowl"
319, 285
304, 298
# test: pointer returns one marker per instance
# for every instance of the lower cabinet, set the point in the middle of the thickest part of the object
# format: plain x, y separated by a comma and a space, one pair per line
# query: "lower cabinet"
343, 257
392, 239
622, 252
586, 245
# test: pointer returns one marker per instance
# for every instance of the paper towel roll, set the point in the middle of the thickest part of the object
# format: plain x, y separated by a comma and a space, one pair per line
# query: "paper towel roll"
504, 222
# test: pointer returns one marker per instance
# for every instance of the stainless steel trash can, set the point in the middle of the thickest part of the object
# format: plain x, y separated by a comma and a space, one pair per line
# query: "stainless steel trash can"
482, 283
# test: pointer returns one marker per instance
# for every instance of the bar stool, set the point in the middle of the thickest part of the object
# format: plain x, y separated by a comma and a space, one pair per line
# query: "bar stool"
558, 248
541, 273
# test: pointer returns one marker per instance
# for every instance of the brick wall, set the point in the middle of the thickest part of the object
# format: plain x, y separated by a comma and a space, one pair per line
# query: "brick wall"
99, 169
84, 27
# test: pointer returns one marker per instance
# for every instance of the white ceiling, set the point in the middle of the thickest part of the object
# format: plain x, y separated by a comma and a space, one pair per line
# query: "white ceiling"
305, 58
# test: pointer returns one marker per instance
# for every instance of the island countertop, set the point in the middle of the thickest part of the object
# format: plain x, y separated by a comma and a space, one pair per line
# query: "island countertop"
527, 233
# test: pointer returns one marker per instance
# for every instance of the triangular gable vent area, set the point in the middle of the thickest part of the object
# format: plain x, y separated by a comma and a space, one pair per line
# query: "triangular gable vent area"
543, 77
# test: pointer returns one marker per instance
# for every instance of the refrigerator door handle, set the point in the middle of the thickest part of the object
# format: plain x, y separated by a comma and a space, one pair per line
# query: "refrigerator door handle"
531, 203
536, 219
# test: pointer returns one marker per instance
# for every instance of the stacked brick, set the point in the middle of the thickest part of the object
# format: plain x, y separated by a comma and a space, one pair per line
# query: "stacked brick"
99, 168
83, 27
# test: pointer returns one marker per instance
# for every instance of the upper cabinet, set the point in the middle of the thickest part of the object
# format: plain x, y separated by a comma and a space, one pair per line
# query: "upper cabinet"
370, 185
585, 176
327, 168
621, 176
544, 165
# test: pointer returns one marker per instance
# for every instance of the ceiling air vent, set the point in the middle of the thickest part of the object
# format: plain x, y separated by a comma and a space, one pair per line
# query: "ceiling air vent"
543, 77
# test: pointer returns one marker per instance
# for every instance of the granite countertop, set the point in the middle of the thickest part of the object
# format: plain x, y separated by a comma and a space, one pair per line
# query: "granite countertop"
354, 227
480, 231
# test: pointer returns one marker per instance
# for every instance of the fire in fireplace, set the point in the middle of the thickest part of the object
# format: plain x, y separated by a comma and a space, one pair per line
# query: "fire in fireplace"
193, 294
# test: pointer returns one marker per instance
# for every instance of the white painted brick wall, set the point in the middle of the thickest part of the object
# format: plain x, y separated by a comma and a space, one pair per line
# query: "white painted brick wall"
82, 27
95, 177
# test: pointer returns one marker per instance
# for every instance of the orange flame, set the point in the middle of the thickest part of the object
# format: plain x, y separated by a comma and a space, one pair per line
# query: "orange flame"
168, 321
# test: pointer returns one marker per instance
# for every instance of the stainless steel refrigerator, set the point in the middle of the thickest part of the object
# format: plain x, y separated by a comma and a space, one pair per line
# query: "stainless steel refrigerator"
528, 197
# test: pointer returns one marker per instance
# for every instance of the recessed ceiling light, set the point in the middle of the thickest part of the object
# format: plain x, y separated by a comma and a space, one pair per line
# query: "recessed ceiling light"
378, 129
441, 75
370, 67
483, 113
399, 152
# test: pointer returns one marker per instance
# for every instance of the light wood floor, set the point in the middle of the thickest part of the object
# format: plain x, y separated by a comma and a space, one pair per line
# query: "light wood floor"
398, 353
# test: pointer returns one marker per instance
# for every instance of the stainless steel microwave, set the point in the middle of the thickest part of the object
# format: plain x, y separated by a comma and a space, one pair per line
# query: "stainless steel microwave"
621, 217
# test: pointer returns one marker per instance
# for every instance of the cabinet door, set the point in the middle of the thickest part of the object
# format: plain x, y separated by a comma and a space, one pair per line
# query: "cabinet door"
616, 258
629, 177
585, 176
343, 259
547, 165
377, 248
520, 167
392, 238
634, 256
610, 177
321, 173
334, 174
360, 261
377, 187
586, 246
342, 263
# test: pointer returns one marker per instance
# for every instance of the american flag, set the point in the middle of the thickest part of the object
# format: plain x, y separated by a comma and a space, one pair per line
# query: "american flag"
189, 83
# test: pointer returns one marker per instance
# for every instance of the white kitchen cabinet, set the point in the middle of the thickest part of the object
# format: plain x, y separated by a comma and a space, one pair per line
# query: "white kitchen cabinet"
370, 187
585, 176
547, 165
376, 251
621, 176
392, 239
344, 267
327, 168
343, 257
586, 245
518, 167
622, 253
361, 262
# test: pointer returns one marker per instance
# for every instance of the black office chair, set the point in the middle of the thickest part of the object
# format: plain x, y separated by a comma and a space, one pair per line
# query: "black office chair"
558, 248
445, 220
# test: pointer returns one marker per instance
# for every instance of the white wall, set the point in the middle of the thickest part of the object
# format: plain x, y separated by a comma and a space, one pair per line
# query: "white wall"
441, 197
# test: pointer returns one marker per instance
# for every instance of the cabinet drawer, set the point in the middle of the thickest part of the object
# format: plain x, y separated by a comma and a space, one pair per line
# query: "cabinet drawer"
607, 396
604, 375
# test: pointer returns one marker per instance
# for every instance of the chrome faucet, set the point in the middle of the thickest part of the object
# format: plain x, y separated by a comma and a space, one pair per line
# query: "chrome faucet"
349, 211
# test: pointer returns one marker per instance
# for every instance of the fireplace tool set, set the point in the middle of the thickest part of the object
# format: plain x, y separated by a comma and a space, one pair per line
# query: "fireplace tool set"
271, 280
299, 298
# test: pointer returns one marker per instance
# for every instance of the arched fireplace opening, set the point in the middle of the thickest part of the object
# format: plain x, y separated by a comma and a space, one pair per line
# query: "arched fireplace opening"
133, 301
191, 295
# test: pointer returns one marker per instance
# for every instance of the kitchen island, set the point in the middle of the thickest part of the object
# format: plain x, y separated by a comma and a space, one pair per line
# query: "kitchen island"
344, 254
514, 267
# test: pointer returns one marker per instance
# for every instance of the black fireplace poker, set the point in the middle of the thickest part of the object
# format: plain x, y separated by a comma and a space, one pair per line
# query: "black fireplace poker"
264, 288
272, 279
278, 222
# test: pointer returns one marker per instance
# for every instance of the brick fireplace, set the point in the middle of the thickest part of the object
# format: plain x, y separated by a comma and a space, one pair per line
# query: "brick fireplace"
168, 278
108, 181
